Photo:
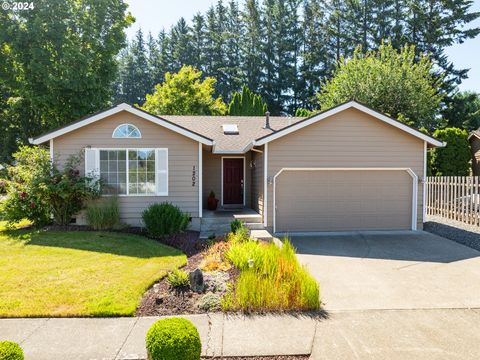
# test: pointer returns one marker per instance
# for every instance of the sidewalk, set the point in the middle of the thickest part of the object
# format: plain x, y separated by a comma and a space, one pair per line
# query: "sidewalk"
370, 334
124, 338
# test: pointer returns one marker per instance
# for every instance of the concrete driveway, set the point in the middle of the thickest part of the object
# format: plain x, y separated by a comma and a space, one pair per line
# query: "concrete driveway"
391, 270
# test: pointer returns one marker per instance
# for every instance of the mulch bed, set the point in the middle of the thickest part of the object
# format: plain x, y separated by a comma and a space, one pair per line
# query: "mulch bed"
161, 300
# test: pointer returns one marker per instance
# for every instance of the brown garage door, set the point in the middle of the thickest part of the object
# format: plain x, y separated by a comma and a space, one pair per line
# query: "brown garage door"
329, 200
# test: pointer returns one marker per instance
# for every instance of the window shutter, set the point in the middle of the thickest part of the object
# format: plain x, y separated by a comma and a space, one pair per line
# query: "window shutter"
92, 163
161, 159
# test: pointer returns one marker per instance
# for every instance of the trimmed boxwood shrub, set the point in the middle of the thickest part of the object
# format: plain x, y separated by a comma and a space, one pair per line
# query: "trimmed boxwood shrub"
165, 219
10, 351
173, 339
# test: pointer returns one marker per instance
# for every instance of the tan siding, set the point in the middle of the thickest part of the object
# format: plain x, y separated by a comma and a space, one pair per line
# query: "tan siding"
212, 176
350, 139
257, 182
182, 156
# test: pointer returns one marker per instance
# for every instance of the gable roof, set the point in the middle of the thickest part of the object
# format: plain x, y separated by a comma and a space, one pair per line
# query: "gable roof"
249, 128
336, 109
114, 110
252, 132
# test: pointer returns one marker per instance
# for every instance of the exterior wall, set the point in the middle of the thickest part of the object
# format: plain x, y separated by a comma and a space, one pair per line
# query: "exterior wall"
257, 182
182, 157
475, 149
212, 176
349, 139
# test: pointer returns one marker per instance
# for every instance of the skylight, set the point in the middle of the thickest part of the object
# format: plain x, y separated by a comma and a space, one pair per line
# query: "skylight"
230, 129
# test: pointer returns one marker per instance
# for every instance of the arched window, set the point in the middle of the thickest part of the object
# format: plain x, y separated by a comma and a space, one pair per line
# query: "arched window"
127, 131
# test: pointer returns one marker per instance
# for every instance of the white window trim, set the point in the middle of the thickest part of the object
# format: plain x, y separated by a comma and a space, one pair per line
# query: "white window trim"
408, 170
97, 165
126, 137
244, 178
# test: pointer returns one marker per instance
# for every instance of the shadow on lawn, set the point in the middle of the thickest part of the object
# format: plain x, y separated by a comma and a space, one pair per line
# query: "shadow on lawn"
115, 243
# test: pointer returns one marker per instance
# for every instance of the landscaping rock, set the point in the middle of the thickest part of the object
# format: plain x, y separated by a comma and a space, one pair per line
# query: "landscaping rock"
209, 302
196, 281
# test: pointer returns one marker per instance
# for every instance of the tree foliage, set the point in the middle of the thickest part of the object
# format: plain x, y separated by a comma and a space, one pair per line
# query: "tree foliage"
393, 82
284, 49
247, 103
57, 64
463, 110
185, 93
454, 159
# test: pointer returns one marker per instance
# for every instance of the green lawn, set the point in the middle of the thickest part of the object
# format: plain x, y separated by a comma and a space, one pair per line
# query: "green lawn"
78, 273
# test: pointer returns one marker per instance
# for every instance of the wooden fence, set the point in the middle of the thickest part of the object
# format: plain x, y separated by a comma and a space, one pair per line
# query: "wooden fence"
454, 197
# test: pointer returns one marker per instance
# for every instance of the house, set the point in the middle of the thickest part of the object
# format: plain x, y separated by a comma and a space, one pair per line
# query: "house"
346, 168
474, 140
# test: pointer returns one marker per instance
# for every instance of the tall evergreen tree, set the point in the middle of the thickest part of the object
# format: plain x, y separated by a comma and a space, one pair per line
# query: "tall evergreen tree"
251, 45
181, 44
247, 103
198, 42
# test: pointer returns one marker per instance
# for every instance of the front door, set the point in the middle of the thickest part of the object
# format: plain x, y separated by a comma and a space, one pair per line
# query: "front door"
233, 181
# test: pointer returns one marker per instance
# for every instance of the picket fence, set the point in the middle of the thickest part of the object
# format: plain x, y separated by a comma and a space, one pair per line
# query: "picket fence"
454, 197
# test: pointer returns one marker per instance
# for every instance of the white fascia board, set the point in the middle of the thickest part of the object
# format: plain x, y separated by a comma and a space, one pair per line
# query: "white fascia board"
473, 134
117, 109
340, 108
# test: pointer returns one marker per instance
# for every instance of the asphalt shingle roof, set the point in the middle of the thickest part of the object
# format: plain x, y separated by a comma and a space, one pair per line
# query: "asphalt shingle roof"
250, 128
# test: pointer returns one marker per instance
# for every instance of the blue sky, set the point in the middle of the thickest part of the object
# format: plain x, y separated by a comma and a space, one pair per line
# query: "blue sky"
153, 15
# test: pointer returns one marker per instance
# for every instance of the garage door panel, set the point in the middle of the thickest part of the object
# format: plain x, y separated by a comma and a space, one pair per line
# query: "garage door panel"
343, 200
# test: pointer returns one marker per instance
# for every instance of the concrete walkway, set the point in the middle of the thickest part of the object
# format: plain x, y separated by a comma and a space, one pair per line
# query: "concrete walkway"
378, 334
124, 338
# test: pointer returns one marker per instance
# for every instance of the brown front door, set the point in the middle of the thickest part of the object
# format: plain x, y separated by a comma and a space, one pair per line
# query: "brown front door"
233, 181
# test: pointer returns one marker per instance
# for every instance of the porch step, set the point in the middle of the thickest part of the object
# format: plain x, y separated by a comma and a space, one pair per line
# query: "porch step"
221, 229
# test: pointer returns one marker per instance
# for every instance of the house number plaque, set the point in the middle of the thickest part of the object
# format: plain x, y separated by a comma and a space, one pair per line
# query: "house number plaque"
194, 175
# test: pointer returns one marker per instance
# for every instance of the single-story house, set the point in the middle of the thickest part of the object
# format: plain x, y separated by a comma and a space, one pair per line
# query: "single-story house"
346, 168
474, 140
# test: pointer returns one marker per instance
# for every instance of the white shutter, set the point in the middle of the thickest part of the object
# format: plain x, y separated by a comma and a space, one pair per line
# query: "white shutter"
92, 163
161, 160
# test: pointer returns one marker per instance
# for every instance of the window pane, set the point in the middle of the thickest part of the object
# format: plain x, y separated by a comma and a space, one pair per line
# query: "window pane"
112, 166
103, 155
132, 165
142, 155
103, 165
122, 154
122, 166
142, 166
150, 165
132, 154
151, 155
132, 188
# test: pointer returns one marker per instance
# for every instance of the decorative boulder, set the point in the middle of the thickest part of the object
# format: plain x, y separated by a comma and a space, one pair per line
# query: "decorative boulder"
196, 281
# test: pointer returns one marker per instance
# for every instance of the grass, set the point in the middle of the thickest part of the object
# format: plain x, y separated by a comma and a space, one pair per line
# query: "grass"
275, 282
78, 273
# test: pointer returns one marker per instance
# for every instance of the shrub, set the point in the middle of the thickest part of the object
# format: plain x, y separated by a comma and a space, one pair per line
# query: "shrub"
240, 235
104, 214
10, 351
235, 225
214, 258
172, 339
276, 280
38, 190
454, 159
209, 302
178, 279
165, 219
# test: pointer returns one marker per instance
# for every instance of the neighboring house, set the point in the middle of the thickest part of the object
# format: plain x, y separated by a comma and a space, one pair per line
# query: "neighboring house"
474, 139
346, 168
